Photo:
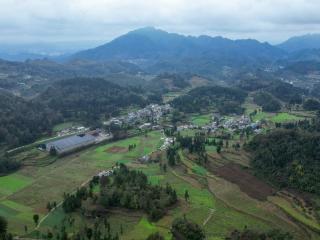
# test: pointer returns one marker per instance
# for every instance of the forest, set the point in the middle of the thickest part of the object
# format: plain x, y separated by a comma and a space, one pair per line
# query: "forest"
90, 99
288, 158
22, 122
225, 100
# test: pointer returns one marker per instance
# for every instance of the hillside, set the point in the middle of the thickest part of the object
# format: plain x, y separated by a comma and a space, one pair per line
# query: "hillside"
288, 158
33, 76
89, 99
22, 122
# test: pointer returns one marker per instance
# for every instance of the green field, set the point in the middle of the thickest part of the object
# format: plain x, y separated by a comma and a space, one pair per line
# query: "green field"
285, 117
201, 120
276, 117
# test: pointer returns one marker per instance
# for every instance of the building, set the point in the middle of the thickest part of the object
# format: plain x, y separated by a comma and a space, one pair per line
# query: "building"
69, 144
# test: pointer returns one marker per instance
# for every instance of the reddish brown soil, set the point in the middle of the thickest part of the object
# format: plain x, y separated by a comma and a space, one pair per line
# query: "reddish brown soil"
247, 182
116, 149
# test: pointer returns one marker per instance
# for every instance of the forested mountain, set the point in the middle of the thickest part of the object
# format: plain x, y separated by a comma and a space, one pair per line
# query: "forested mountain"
310, 41
89, 99
22, 122
156, 49
225, 100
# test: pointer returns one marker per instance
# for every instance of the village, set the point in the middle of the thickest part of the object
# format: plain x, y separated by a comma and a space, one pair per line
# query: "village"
145, 119
231, 124
147, 116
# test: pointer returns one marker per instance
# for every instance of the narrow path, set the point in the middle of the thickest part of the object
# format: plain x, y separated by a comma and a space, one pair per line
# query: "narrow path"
211, 211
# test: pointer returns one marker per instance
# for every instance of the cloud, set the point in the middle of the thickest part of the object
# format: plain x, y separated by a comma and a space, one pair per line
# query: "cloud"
83, 20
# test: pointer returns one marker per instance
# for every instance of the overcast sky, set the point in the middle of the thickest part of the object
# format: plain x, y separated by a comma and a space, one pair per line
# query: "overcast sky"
102, 20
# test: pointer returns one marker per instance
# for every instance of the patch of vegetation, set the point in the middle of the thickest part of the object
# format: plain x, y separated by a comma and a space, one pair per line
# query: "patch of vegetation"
295, 213
185, 229
226, 100
285, 117
201, 120
311, 105
130, 189
286, 92
267, 101
8, 165
248, 234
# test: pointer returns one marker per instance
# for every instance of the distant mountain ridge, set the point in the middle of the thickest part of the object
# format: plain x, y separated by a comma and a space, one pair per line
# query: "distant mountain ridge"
298, 43
172, 50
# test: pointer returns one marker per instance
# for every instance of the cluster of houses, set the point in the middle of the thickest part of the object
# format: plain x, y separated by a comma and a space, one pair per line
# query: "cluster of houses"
150, 114
232, 124
72, 130
107, 173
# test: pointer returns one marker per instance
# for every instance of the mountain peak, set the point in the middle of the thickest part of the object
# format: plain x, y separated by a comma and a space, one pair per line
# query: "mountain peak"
147, 30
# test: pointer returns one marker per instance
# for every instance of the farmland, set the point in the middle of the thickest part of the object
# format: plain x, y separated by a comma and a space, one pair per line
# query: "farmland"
33, 186
217, 202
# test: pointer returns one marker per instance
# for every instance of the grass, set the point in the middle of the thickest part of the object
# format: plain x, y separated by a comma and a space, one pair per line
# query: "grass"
261, 116
276, 117
13, 183
201, 120
285, 117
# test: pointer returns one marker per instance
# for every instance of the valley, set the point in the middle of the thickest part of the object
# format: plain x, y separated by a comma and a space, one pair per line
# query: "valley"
180, 137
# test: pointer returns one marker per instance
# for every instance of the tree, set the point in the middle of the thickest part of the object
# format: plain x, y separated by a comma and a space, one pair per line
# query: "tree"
218, 149
155, 236
49, 207
186, 195
89, 233
3, 226
184, 229
53, 151
36, 219
165, 167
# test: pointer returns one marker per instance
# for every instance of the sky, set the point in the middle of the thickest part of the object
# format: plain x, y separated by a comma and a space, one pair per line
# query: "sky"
99, 21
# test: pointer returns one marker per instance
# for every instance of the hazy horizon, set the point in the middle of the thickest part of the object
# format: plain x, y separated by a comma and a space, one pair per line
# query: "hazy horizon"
100, 21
